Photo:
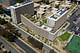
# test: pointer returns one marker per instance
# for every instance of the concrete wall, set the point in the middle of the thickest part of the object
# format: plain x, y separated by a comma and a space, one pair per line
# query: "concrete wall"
29, 9
60, 21
37, 30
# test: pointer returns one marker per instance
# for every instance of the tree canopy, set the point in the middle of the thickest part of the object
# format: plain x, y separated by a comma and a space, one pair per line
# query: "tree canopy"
1, 9
19, 1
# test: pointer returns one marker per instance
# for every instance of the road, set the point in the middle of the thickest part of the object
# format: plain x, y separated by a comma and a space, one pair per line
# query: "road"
73, 26
26, 48
13, 50
22, 45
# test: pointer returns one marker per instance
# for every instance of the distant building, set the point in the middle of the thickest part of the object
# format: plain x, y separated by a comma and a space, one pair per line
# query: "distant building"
21, 8
6, 3
75, 1
7, 11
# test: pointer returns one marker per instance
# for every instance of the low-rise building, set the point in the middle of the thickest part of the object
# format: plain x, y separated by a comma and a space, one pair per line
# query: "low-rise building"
57, 19
36, 29
54, 21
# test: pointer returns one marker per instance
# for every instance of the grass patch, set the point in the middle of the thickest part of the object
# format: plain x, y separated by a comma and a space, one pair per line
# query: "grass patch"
65, 36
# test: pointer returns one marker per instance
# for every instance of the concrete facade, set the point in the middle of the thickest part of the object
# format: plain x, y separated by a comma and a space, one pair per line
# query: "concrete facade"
60, 21
17, 11
37, 30
57, 23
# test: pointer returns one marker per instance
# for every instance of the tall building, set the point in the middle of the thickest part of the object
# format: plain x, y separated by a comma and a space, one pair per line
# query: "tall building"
26, 7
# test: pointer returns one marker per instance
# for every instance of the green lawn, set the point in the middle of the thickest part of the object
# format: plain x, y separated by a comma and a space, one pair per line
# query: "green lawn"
74, 45
65, 36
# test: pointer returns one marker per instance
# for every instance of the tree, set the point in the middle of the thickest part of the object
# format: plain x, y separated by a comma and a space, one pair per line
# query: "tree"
19, 1
45, 20
2, 21
1, 9
9, 36
41, 22
52, 51
28, 16
57, 6
9, 26
35, 43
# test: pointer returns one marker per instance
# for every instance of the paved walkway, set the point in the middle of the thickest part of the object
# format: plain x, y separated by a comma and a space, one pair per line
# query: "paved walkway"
11, 47
59, 46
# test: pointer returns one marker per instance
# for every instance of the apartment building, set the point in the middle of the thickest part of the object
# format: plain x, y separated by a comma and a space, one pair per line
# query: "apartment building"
21, 8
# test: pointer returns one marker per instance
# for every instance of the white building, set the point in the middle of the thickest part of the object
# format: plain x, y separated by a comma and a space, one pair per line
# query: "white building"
21, 8
57, 19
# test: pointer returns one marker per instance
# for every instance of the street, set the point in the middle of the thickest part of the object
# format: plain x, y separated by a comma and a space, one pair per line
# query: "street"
24, 46
74, 22
13, 50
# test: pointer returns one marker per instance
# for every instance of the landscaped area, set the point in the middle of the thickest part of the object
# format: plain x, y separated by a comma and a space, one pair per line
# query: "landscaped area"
74, 45
65, 36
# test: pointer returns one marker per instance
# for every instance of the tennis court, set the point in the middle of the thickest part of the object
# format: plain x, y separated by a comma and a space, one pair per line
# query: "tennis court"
74, 45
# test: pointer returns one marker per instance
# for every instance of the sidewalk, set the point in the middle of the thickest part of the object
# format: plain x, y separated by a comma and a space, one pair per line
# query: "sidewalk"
14, 50
28, 45
21, 50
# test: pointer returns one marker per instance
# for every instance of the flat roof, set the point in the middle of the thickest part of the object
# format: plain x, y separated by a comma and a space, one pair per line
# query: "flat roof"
46, 28
36, 5
58, 14
17, 5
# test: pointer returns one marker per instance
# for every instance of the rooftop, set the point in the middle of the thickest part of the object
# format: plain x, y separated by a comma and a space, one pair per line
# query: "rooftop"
58, 14
17, 5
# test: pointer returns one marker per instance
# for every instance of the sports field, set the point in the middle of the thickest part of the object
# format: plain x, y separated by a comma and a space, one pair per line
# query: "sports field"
74, 45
